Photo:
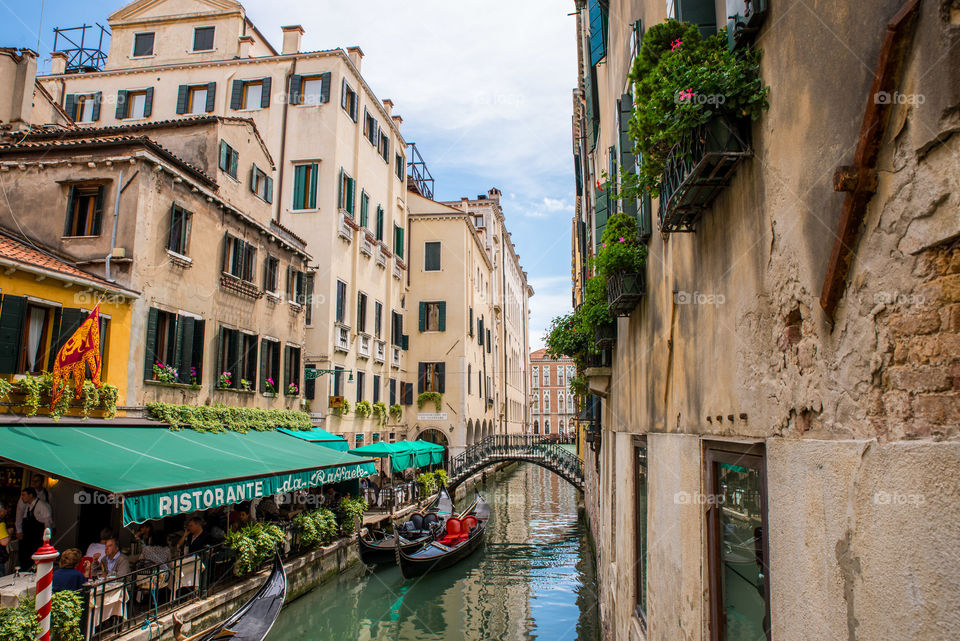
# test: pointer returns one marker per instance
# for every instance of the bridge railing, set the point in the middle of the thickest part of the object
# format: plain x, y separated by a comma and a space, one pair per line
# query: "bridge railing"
533, 447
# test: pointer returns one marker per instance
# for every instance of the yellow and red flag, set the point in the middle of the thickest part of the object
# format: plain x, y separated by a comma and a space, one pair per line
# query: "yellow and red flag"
80, 350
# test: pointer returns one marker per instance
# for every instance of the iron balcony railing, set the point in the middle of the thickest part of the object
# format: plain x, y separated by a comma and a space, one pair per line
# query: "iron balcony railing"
534, 448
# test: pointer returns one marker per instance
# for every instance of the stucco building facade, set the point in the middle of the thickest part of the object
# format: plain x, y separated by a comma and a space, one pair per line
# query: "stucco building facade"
552, 404
770, 456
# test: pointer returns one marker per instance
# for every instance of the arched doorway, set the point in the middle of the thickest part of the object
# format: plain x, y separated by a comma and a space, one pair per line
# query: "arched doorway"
470, 432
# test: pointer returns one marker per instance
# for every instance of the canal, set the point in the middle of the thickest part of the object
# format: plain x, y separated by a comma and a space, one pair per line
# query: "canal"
534, 579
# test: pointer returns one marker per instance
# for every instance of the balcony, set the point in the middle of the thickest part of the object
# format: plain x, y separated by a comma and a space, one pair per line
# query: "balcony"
380, 352
346, 227
395, 356
363, 346
697, 170
397, 270
624, 292
606, 335
381, 256
341, 341
366, 245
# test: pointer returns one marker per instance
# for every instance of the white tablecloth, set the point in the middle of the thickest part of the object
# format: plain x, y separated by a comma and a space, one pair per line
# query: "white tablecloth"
106, 602
12, 589
187, 574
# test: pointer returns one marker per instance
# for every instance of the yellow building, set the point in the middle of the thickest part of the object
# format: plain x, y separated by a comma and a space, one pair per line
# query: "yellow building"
43, 300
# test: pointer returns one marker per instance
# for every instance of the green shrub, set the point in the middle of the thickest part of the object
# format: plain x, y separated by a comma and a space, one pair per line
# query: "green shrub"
396, 412
66, 610
351, 510
441, 477
620, 248
220, 418
428, 483
317, 527
19, 623
254, 544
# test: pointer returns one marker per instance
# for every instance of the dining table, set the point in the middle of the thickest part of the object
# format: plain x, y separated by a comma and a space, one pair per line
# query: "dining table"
13, 588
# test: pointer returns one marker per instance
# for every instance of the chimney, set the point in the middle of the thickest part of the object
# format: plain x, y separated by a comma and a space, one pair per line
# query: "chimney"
291, 38
21, 107
388, 106
58, 63
494, 194
356, 56
397, 120
246, 46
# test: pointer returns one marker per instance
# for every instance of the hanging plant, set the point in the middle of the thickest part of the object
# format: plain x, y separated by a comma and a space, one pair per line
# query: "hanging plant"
396, 412
363, 409
427, 397
380, 412
342, 410
91, 399
219, 418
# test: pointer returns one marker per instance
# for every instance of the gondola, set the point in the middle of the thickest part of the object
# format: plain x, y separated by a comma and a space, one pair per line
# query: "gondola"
464, 534
377, 546
252, 622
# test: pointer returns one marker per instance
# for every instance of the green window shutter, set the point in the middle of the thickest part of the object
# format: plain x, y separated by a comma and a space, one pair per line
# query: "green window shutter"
153, 316
121, 112
443, 316
268, 192
480, 332
68, 219
263, 365
294, 96
224, 155
196, 358
299, 181
314, 175
343, 93
97, 100
211, 96
235, 338
488, 341
598, 30
379, 222
182, 94
265, 89
236, 96
98, 210
628, 160
253, 178
148, 103
404, 342
325, 87
234, 162
70, 106
351, 194
408, 395
441, 377
185, 344
340, 190
423, 316
600, 206
421, 377
471, 322
364, 207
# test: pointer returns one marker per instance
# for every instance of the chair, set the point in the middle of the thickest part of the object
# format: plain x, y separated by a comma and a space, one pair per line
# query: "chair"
85, 566
416, 519
455, 532
470, 522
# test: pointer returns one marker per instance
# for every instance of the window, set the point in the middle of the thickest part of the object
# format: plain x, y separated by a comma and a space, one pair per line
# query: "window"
598, 30
399, 167
358, 439
376, 388
179, 230
291, 370
433, 316
570, 372
431, 256
348, 100
364, 207
370, 127
392, 386
269, 366
398, 240
84, 210
251, 94
305, 186
560, 375
295, 286
546, 375
396, 329
560, 402
134, 104
384, 147
346, 192
570, 406
310, 90
338, 382
361, 312
203, 38
536, 376
165, 332
36, 337
379, 223
739, 567
271, 274
237, 354
470, 325
238, 258
360, 385
196, 99
229, 159
546, 425
640, 490
377, 318
469, 378
261, 184
430, 377
142, 44
308, 300
83, 107
341, 301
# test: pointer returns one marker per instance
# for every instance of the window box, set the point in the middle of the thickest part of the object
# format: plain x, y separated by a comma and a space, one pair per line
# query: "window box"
235, 390
395, 357
366, 246
397, 273
624, 291
363, 346
345, 229
342, 338
606, 335
239, 287
273, 297
698, 169
184, 386
381, 256
380, 352
179, 260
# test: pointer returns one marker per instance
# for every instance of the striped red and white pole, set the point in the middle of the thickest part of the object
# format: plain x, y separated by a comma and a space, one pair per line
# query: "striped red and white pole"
44, 558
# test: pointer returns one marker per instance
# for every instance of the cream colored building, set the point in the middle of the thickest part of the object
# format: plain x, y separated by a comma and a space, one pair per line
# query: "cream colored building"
340, 158
510, 293
768, 464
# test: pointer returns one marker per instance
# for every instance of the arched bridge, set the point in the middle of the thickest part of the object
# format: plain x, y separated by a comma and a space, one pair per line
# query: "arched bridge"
529, 448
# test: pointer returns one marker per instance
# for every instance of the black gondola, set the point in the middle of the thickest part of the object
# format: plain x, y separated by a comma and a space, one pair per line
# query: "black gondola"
377, 546
252, 622
464, 534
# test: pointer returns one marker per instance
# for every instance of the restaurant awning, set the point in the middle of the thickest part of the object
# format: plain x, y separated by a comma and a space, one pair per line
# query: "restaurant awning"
320, 437
160, 472
400, 453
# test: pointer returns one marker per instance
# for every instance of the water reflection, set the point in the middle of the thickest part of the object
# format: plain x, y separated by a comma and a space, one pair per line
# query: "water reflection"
533, 580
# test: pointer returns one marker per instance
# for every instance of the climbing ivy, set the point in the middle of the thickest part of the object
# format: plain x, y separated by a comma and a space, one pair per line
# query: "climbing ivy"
220, 418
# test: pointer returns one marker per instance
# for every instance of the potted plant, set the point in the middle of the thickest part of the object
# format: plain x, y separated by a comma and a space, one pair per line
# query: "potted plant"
194, 377
427, 397
225, 380
396, 412
363, 409
269, 387
244, 385
343, 410
164, 373
380, 412
620, 261
293, 389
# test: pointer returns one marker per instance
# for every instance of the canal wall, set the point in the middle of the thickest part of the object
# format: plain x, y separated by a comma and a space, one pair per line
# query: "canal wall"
480, 477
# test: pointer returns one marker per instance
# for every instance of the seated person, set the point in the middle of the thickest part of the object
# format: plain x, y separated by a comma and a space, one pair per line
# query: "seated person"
195, 537
96, 550
239, 519
67, 577
265, 509
113, 561
4, 539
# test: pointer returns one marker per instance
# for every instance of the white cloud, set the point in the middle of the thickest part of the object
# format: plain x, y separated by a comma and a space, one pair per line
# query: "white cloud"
552, 299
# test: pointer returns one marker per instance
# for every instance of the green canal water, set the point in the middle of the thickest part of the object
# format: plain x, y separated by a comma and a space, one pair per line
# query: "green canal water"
534, 579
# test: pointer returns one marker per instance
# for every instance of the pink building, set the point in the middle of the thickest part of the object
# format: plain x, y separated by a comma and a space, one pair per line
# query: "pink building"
552, 406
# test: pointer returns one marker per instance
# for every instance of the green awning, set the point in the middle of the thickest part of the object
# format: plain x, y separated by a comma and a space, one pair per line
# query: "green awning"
160, 472
429, 452
400, 453
320, 437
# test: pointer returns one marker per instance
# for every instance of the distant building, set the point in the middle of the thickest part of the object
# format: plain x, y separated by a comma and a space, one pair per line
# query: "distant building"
552, 405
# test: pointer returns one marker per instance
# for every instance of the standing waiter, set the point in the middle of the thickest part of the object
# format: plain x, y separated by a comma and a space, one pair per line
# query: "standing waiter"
36, 518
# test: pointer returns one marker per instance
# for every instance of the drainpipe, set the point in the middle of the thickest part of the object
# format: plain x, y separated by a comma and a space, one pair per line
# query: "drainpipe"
116, 217
278, 194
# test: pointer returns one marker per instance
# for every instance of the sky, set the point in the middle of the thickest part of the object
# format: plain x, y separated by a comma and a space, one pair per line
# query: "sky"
484, 90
